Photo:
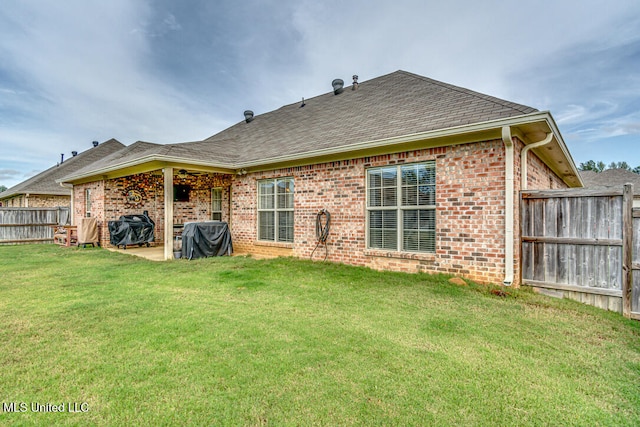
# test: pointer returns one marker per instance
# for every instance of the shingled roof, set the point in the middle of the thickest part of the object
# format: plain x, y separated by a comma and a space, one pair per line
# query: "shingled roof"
611, 178
46, 182
399, 103
396, 105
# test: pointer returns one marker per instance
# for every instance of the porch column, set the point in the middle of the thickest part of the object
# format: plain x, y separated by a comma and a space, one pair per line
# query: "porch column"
168, 213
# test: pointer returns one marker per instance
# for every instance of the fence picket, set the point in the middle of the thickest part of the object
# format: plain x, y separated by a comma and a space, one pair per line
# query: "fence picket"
30, 225
579, 242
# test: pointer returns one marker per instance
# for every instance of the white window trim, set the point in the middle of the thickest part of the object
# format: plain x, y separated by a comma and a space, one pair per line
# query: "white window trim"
87, 202
221, 199
399, 208
275, 210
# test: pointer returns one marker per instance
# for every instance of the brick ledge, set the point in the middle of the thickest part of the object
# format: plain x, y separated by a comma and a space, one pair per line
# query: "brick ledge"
273, 244
400, 255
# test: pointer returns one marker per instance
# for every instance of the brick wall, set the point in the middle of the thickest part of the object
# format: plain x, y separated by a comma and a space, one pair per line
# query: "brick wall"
97, 204
14, 202
42, 201
469, 216
539, 175
36, 201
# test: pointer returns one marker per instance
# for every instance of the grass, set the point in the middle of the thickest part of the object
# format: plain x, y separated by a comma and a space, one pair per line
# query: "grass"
239, 341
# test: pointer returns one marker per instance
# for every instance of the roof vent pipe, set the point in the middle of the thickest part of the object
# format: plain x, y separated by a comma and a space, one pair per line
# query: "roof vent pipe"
337, 84
355, 82
248, 116
74, 153
95, 143
61, 157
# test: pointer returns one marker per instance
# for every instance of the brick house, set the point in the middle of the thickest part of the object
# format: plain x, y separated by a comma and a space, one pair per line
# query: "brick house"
44, 191
418, 175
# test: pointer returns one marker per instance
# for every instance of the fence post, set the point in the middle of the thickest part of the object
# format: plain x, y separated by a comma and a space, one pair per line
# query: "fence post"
627, 249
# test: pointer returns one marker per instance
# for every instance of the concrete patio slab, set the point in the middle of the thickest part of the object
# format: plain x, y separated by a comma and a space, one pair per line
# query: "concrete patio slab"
152, 253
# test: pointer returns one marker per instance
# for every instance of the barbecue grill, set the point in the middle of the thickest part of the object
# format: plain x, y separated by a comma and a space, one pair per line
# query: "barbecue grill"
132, 230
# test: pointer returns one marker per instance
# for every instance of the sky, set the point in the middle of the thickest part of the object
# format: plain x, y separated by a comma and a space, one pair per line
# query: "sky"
168, 71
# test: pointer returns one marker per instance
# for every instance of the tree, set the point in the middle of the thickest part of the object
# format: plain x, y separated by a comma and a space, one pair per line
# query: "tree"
592, 166
600, 166
619, 165
2, 188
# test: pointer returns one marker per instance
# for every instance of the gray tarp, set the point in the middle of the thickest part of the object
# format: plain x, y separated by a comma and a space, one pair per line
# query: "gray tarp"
205, 239
131, 230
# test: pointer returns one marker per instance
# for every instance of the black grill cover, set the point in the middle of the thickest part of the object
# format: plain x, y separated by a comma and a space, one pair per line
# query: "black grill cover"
131, 230
205, 239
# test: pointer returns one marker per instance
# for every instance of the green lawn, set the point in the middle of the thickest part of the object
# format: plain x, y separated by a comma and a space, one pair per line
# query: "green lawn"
238, 341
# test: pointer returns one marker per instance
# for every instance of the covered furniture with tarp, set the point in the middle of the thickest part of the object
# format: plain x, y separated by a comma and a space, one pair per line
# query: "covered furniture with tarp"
88, 232
132, 230
206, 239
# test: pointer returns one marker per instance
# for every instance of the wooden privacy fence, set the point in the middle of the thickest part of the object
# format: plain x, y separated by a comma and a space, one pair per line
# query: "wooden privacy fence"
635, 266
585, 244
30, 225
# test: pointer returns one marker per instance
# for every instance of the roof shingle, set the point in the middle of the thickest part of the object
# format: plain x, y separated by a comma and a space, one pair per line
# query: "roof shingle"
611, 178
396, 104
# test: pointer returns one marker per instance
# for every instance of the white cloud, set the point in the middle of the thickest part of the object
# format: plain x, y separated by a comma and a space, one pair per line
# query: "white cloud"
9, 174
94, 73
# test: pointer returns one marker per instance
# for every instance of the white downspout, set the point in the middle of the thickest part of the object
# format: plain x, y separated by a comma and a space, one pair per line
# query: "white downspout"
523, 158
508, 206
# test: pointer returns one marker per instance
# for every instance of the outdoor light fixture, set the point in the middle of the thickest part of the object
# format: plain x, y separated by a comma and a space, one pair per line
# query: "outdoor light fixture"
182, 174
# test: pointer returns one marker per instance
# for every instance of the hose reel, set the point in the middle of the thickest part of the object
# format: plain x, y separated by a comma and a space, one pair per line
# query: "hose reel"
323, 224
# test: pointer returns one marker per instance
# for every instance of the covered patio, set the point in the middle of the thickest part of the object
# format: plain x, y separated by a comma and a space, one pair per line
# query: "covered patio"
169, 196
171, 184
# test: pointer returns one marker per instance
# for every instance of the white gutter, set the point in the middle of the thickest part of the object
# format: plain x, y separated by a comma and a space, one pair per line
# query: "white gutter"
508, 206
523, 158
432, 134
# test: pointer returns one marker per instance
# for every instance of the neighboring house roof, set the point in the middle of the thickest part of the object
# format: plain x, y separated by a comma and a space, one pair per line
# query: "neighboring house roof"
611, 178
46, 182
389, 113
195, 152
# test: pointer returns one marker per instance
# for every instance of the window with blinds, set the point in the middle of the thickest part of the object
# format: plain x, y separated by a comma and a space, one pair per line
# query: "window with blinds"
216, 204
275, 210
401, 207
